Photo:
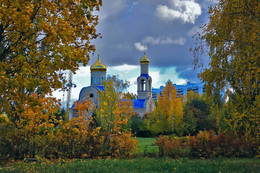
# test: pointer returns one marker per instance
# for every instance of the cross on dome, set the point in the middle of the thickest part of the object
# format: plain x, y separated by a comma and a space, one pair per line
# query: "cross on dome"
144, 60
98, 66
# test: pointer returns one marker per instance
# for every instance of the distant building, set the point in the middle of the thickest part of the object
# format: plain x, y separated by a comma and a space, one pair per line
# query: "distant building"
144, 102
98, 75
181, 89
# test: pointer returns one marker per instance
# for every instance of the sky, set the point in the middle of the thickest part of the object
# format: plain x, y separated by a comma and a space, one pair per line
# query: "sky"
163, 29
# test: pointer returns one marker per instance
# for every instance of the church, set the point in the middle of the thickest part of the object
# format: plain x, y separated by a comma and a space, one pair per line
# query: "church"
142, 105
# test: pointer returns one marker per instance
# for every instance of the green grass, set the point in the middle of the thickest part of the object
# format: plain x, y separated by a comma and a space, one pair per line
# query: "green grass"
143, 142
141, 165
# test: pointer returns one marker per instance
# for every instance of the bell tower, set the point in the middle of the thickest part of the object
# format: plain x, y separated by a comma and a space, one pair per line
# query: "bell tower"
144, 81
98, 73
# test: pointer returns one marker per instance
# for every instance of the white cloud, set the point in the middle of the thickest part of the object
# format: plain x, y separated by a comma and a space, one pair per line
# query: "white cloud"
111, 8
194, 30
155, 74
163, 40
140, 47
125, 67
83, 71
160, 77
186, 11
133, 81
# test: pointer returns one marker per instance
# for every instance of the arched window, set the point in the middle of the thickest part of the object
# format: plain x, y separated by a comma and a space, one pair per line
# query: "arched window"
95, 80
143, 85
98, 80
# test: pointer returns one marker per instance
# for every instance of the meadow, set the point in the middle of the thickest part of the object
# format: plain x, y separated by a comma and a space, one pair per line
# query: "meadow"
140, 163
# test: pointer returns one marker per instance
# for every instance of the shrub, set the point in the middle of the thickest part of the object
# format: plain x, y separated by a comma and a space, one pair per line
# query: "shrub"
207, 144
171, 146
122, 145
34, 133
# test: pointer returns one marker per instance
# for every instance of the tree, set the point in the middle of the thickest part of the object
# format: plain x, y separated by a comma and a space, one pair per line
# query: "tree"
23, 137
113, 112
120, 85
38, 40
168, 112
130, 95
201, 113
232, 39
189, 121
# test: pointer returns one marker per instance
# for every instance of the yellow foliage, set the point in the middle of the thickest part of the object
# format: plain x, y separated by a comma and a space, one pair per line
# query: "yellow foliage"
3, 118
232, 39
39, 39
113, 112
168, 113
36, 131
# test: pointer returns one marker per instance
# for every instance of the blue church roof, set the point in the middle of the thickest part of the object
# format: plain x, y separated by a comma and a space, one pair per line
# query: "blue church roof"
138, 103
98, 87
145, 75
81, 90
101, 87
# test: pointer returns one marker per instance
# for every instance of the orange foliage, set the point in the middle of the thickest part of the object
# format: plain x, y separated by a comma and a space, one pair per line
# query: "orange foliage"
170, 146
113, 113
36, 132
208, 144
39, 39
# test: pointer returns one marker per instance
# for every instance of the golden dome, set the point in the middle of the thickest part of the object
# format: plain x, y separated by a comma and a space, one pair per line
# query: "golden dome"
144, 60
98, 66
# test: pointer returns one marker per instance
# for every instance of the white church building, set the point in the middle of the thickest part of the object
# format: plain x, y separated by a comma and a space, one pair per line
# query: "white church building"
142, 105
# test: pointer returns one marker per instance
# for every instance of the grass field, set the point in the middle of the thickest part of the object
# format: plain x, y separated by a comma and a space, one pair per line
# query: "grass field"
144, 142
146, 147
140, 165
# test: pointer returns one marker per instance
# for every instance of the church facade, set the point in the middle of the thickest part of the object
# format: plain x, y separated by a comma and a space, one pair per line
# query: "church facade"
144, 102
98, 75
142, 105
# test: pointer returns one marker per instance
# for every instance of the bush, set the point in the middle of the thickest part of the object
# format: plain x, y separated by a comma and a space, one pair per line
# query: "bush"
138, 128
34, 133
207, 144
171, 146
122, 145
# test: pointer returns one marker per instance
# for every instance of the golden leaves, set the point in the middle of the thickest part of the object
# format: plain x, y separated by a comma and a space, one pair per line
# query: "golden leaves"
168, 111
39, 39
232, 39
113, 112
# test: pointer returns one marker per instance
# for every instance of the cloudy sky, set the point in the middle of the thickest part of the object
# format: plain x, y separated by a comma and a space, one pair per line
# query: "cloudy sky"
161, 28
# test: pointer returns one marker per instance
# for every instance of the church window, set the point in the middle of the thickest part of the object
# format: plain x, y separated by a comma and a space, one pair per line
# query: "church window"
91, 95
98, 80
143, 85
95, 80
